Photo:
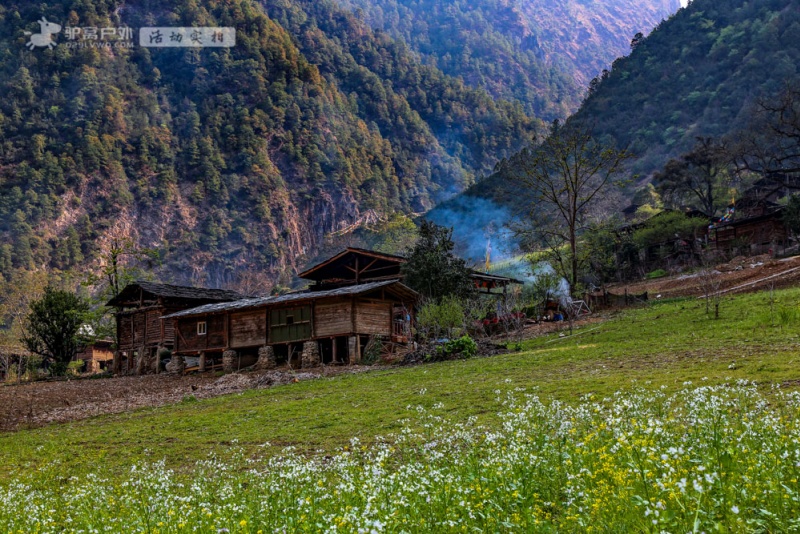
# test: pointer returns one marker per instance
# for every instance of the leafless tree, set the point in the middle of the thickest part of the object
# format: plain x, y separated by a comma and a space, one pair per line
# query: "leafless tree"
701, 175
710, 281
253, 283
567, 175
770, 145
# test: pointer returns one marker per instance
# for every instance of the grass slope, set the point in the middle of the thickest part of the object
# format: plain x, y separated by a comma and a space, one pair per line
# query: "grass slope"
664, 344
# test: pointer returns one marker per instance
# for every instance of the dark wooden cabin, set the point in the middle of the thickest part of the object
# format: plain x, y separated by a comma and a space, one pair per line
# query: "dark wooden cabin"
325, 326
356, 265
140, 307
757, 234
355, 297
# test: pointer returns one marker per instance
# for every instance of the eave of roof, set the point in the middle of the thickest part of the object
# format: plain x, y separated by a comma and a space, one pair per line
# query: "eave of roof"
172, 291
245, 304
494, 278
747, 220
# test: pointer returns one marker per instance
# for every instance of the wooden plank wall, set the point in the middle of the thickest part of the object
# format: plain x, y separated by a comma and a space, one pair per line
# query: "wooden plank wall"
333, 318
138, 329
153, 333
214, 339
373, 317
248, 329
216, 332
280, 331
125, 327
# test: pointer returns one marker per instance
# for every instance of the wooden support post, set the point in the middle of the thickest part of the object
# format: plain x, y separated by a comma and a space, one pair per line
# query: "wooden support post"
351, 349
354, 346
333, 355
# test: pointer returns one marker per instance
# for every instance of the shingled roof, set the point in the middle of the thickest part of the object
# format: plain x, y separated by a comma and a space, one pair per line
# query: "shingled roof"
150, 290
347, 291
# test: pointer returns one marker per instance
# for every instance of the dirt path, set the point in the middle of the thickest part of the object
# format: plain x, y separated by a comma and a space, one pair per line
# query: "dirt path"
741, 274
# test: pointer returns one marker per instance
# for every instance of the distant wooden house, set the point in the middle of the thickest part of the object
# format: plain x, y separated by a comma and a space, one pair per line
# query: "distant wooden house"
355, 265
97, 356
761, 232
304, 329
140, 330
673, 248
355, 297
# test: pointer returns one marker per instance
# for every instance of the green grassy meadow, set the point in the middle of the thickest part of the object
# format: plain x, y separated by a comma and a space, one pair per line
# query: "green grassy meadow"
663, 344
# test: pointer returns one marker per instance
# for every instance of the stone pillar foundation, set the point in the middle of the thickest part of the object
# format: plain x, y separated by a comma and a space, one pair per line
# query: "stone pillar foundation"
229, 361
176, 365
266, 359
310, 357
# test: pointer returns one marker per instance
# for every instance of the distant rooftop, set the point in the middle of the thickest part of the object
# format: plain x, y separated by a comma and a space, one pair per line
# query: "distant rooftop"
149, 290
295, 297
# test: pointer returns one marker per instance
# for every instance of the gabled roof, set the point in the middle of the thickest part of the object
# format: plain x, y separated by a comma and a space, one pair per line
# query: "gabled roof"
393, 285
342, 265
150, 290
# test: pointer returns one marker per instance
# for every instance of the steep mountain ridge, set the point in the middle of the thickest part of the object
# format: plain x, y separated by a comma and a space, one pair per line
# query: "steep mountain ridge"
540, 52
699, 73
225, 160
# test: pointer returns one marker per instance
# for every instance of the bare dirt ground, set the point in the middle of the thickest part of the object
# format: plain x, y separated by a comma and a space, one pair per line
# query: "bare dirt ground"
741, 274
40, 403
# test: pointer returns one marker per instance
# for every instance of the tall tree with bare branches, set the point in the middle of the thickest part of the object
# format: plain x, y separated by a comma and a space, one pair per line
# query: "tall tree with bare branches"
771, 143
567, 175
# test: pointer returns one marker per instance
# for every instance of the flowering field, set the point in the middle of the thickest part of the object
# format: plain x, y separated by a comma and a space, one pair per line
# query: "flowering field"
722, 458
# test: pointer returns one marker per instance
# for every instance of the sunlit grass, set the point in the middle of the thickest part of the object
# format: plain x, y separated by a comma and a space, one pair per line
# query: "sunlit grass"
662, 345
701, 459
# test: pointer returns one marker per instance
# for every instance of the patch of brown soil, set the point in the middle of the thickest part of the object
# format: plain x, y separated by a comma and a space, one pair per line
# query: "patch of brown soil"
754, 273
40, 403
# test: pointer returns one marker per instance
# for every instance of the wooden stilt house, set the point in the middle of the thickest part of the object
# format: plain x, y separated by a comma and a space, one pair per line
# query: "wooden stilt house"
355, 298
303, 329
140, 330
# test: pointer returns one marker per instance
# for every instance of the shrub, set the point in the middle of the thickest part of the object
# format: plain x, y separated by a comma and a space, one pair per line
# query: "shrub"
75, 367
372, 351
463, 347
658, 273
444, 318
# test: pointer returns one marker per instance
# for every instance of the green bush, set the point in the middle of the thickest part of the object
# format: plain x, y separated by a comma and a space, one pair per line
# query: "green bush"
444, 318
463, 347
75, 367
658, 273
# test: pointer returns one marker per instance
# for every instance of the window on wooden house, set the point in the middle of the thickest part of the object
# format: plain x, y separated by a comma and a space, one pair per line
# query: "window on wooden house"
201, 328
289, 319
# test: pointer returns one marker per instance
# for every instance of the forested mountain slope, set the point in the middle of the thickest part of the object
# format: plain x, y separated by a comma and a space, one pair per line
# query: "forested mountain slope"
541, 52
225, 160
699, 73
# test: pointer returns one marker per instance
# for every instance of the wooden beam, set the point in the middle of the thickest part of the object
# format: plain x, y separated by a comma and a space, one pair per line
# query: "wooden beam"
227, 341
178, 335
365, 269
